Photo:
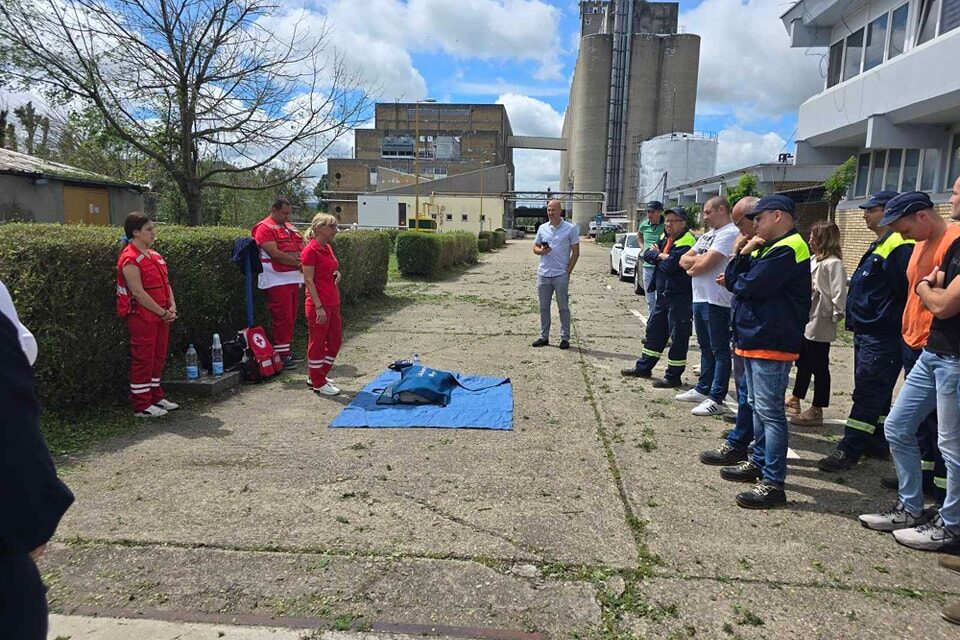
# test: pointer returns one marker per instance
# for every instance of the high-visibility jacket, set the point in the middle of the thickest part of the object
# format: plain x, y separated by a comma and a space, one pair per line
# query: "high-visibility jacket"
772, 298
669, 279
153, 277
288, 241
878, 287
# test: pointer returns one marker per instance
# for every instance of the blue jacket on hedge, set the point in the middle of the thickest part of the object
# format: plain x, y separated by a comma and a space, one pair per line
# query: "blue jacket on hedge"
878, 287
669, 279
772, 295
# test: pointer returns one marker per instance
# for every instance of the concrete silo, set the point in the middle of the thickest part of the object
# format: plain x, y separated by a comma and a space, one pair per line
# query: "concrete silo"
635, 78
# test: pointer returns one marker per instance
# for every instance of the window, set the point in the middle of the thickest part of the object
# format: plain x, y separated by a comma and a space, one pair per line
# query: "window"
852, 54
954, 162
463, 217
892, 179
927, 20
898, 32
950, 18
449, 216
876, 173
928, 171
911, 170
876, 40
835, 63
863, 172
373, 177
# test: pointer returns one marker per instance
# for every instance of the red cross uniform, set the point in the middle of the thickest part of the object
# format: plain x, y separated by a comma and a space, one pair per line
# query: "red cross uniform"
149, 334
326, 338
281, 282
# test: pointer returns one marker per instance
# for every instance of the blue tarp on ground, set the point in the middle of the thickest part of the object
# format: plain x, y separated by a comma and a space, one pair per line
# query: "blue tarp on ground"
489, 408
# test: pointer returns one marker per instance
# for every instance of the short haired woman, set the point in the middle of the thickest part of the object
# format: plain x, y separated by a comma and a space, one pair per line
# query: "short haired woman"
321, 274
145, 300
829, 281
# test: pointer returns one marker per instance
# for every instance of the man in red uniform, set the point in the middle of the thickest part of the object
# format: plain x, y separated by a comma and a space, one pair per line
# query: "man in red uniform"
280, 245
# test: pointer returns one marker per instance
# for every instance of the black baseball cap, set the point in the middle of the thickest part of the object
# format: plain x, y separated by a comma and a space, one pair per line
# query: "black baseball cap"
879, 199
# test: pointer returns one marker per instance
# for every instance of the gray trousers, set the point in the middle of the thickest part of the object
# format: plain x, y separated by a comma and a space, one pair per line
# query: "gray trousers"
546, 286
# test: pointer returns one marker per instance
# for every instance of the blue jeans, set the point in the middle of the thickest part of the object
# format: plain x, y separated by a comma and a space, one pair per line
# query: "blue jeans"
766, 386
712, 324
931, 384
742, 433
651, 296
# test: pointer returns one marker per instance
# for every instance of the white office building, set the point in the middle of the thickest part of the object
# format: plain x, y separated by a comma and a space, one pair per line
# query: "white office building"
891, 95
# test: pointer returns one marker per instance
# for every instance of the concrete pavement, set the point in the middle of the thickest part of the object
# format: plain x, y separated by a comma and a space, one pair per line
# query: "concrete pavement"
592, 519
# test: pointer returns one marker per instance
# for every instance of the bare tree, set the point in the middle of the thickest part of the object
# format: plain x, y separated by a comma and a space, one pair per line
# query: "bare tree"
206, 88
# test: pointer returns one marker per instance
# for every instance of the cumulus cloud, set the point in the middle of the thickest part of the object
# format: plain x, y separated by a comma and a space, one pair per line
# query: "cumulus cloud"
536, 170
531, 117
740, 148
746, 61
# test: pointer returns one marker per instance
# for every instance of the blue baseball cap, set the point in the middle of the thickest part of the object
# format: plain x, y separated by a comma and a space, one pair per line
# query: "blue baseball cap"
879, 199
773, 203
654, 205
903, 205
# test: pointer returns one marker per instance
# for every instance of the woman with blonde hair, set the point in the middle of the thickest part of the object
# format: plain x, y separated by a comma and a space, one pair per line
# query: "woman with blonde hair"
829, 280
321, 274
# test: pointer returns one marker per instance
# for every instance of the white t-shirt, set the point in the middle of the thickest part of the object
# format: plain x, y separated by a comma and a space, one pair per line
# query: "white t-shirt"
705, 287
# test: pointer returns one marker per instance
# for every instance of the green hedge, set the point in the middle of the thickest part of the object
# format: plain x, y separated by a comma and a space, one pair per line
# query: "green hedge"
430, 254
501, 237
607, 236
490, 237
483, 244
63, 282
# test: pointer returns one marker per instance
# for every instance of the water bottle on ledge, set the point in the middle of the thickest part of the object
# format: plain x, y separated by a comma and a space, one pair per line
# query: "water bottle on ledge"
416, 359
193, 364
216, 356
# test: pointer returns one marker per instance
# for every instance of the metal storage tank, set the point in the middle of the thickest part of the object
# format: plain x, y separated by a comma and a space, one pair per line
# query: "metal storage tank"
591, 85
672, 159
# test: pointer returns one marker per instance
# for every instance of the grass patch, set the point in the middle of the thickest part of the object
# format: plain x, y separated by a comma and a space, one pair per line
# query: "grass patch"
68, 435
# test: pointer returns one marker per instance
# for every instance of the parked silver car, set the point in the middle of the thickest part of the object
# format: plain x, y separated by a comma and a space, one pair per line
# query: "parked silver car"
624, 255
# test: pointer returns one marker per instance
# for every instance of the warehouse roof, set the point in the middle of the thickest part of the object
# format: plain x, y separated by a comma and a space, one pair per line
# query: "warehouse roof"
32, 167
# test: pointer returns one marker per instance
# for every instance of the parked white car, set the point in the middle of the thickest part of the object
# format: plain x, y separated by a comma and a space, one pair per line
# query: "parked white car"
624, 255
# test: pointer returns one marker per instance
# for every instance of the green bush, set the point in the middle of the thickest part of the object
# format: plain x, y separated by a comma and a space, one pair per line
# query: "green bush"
501, 237
607, 236
483, 245
490, 237
392, 237
63, 282
430, 254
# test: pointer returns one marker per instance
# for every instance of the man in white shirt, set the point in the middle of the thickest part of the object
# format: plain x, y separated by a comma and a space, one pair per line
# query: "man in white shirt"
558, 245
711, 307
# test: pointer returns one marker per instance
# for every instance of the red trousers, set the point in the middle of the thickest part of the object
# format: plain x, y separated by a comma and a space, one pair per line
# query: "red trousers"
324, 345
148, 355
282, 302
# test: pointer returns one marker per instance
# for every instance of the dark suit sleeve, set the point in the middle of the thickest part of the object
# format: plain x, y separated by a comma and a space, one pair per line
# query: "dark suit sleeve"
895, 268
32, 498
731, 273
766, 277
650, 255
672, 264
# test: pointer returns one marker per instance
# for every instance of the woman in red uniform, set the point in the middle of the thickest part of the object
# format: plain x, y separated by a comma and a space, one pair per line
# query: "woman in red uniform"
145, 300
321, 274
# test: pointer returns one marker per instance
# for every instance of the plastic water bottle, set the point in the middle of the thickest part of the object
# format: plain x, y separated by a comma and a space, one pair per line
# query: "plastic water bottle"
416, 359
216, 357
193, 364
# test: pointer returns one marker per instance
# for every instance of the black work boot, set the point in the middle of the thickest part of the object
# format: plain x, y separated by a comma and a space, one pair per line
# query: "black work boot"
762, 496
727, 454
839, 460
746, 471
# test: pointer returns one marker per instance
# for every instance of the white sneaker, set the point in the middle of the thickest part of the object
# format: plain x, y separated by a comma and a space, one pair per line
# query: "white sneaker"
893, 519
153, 411
166, 404
327, 390
708, 408
691, 396
931, 536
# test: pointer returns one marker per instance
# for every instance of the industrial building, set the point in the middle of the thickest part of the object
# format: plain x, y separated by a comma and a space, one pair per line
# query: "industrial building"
635, 79
471, 201
37, 190
672, 159
441, 140
891, 98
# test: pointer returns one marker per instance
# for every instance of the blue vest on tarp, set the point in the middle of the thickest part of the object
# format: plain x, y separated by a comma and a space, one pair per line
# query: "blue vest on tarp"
423, 385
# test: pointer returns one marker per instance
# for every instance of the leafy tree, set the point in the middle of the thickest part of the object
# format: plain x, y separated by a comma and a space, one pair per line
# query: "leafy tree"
205, 89
319, 191
747, 185
837, 184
